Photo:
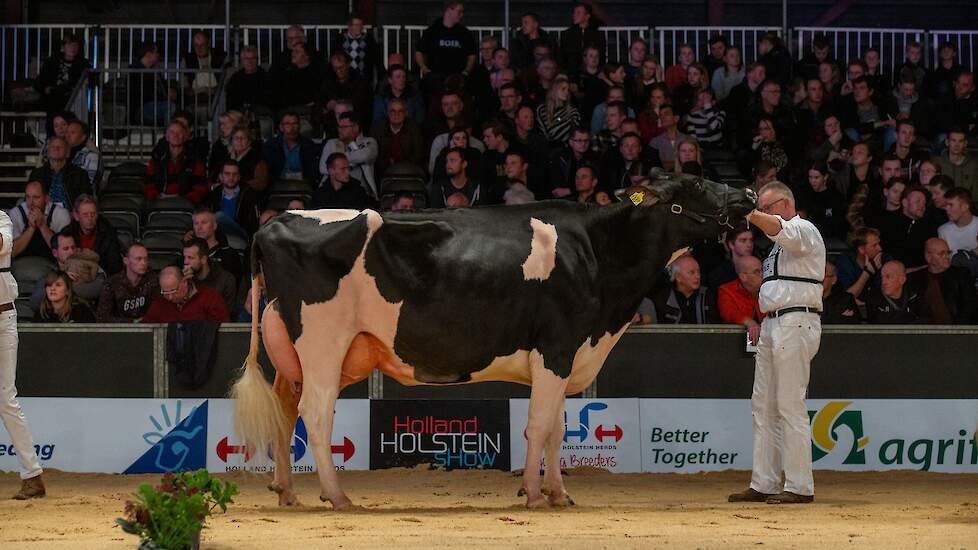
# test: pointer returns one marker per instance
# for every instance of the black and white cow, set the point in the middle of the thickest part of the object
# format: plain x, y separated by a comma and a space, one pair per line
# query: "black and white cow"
536, 294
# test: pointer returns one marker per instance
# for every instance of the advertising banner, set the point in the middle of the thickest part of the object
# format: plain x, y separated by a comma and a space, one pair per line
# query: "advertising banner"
350, 445
600, 433
446, 434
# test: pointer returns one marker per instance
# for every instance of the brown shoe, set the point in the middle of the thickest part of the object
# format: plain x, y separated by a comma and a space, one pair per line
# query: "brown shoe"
787, 497
750, 495
31, 488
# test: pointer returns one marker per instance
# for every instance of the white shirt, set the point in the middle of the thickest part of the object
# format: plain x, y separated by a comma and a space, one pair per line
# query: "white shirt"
8, 285
960, 238
60, 218
798, 252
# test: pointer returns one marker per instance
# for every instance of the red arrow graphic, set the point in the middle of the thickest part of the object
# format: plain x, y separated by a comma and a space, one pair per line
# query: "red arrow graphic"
601, 433
223, 450
346, 449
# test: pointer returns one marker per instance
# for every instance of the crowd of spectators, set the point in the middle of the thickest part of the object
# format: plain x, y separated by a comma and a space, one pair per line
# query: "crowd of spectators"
879, 162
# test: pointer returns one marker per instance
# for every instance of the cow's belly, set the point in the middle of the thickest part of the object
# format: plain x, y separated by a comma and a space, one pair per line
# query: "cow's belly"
510, 368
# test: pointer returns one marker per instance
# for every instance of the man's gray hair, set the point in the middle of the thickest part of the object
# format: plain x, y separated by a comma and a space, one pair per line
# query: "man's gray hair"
673, 268
781, 189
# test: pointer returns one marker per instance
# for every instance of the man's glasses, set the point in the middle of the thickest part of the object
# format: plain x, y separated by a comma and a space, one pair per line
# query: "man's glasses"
767, 209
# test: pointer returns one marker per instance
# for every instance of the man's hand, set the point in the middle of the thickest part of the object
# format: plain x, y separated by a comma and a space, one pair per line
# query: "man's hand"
40, 220
561, 192
73, 275
753, 331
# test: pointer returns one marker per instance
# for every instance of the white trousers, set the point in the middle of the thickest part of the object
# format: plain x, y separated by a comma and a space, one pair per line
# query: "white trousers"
10, 412
782, 431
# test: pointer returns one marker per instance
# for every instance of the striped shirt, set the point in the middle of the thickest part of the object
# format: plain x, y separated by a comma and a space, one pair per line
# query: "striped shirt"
565, 119
706, 125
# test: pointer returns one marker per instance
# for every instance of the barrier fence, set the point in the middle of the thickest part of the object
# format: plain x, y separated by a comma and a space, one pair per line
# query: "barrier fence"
850, 43
745, 38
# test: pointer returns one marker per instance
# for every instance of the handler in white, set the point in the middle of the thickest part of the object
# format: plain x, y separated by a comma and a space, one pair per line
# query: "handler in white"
13, 417
791, 298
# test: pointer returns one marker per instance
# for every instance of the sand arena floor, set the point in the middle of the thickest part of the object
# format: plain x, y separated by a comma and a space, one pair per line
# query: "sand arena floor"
479, 509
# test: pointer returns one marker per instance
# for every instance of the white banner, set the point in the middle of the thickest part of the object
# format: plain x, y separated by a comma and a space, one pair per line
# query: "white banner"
351, 440
694, 435
601, 433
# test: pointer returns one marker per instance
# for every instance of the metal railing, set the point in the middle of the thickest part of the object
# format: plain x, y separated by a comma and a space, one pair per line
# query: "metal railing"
121, 42
850, 43
270, 39
965, 41
745, 38
23, 48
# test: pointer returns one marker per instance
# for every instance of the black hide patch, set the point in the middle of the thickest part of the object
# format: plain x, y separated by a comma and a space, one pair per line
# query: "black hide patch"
303, 261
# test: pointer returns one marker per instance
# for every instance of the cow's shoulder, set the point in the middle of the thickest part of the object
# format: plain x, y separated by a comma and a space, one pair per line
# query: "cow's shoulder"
407, 251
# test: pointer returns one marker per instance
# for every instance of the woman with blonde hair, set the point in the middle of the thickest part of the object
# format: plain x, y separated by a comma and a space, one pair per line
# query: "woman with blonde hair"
557, 116
59, 304
254, 169
227, 122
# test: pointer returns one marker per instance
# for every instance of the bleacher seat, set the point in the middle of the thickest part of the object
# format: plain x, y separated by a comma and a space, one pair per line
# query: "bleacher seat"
170, 220
28, 269
291, 189
127, 185
130, 168
122, 220
158, 259
22, 306
166, 240
403, 179
122, 203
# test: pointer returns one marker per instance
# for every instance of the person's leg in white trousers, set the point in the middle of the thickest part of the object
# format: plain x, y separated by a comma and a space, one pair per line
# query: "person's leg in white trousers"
10, 411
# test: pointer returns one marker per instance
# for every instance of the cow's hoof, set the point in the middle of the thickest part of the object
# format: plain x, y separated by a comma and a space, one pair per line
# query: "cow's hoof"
287, 498
538, 501
521, 492
561, 501
341, 504
275, 488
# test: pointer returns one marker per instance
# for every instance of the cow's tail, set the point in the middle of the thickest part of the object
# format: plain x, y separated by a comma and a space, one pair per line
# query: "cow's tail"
258, 417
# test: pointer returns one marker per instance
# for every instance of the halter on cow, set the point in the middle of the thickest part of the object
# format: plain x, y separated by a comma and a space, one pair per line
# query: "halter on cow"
536, 294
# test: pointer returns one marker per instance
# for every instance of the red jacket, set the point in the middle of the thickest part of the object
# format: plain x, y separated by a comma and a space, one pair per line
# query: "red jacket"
736, 305
205, 305
187, 177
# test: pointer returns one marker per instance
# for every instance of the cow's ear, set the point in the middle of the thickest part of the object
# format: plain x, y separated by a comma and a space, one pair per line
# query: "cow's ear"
639, 195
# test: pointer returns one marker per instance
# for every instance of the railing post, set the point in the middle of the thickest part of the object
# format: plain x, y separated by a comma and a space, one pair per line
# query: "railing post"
161, 374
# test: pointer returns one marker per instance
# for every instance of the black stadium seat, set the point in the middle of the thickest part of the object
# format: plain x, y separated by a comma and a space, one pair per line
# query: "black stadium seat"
122, 220
172, 220
28, 269
127, 185
125, 203
130, 168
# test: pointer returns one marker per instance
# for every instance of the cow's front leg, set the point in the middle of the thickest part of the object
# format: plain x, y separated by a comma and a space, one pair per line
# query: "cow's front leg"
553, 482
282, 482
546, 403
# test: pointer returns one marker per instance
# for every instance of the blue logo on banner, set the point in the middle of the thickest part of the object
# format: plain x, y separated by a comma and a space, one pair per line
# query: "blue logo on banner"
300, 440
184, 447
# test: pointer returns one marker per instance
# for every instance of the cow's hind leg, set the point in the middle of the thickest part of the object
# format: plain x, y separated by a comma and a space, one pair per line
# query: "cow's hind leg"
322, 358
546, 405
553, 483
281, 484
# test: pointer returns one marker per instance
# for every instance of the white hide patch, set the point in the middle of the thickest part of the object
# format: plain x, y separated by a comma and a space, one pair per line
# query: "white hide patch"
543, 251
677, 254
589, 359
327, 215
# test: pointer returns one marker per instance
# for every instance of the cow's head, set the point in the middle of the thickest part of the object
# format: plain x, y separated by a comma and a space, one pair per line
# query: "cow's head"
707, 208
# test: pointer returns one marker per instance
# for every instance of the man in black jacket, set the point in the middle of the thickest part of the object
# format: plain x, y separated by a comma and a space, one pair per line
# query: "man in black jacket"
93, 233
685, 301
582, 33
361, 47
564, 162
526, 39
248, 87
947, 292
892, 303
291, 155
338, 189
58, 76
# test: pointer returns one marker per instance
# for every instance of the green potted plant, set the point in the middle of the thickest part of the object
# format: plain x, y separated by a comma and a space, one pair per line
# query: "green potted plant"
171, 515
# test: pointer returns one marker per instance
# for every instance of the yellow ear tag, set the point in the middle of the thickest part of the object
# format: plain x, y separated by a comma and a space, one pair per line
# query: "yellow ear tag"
637, 197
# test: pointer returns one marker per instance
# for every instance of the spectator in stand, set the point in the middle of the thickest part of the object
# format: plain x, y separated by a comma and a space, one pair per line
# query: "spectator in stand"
399, 87
436, 128
299, 84
294, 36
961, 108
538, 83
879, 202
398, 138
248, 87
685, 96
87, 278
62, 180
961, 230
516, 180
874, 71
360, 151
254, 169
812, 113
343, 82
808, 67
741, 97
860, 267
338, 189
609, 137
893, 302
362, 49
904, 232
685, 301
59, 124
205, 227
558, 116
59, 75
564, 163
940, 84
83, 152
937, 205
627, 165
528, 37
582, 34
705, 121
202, 84
912, 107
739, 243
586, 187
456, 181
196, 263
906, 150
35, 221
460, 138
853, 172
947, 292
94, 233
599, 116
151, 99
728, 75
446, 48
864, 117
174, 170
648, 120
775, 58
235, 207
770, 106
493, 175
649, 76
823, 204
838, 306
638, 50
769, 146
926, 172
913, 67
715, 58
126, 295
665, 143
957, 163
737, 299
403, 203
181, 299
290, 155
678, 74
510, 97
590, 83
530, 138
59, 304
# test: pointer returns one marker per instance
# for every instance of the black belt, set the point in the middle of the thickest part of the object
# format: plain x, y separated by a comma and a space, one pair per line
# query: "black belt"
804, 309
4, 270
6, 307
